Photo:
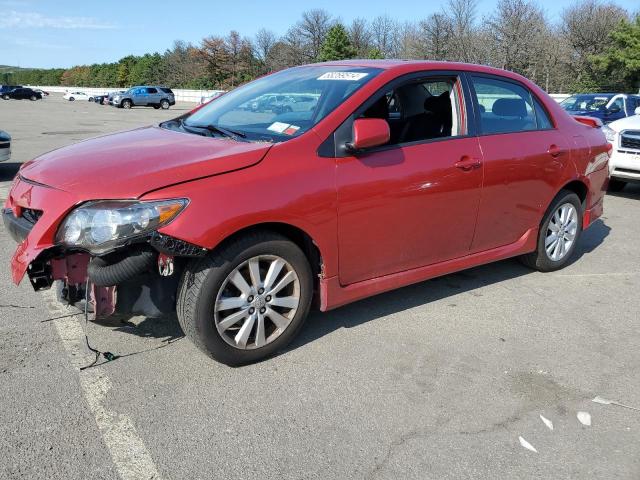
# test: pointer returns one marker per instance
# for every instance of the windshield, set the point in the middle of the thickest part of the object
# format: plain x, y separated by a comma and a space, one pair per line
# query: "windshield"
282, 105
590, 103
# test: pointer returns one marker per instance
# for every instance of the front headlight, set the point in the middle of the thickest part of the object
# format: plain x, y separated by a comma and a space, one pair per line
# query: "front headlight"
116, 98
609, 133
102, 225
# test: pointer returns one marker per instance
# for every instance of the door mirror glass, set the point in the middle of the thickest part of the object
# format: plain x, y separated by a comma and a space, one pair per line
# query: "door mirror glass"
369, 133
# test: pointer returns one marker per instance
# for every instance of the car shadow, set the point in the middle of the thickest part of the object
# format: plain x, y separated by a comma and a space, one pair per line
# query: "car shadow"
8, 171
630, 190
166, 327
374, 308
467, 281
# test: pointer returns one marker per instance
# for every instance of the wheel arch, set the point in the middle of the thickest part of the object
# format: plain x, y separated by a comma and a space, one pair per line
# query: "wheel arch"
579, 188
296, 235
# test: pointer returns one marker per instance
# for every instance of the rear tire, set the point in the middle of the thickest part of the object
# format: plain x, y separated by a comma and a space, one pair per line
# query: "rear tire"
6, 97
91, 99
206, 281
616, 185
555, 223
164, 104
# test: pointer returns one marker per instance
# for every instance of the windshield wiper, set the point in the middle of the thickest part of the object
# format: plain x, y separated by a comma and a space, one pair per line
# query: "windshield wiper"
237, 136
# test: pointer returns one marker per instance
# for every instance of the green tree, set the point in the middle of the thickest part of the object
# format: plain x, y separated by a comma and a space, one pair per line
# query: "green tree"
622, 60
375, 54
124, 70
336, 45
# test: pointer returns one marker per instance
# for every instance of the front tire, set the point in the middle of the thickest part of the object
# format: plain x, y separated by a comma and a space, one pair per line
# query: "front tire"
559, 234
33, 98
246, 300
126, 104
71, 99
616, 185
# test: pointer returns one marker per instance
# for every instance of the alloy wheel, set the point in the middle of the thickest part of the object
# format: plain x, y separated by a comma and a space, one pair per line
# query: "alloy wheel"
561, 232
257, 302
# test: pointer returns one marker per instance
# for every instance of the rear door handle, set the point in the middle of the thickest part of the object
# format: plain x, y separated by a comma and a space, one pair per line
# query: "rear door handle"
555, 151
467, 163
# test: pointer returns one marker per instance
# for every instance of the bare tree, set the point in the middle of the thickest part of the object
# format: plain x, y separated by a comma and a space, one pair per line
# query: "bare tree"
383, 35
435, 34
265, 40
462, 15
515, 29
360, 36
586, 25
307, 35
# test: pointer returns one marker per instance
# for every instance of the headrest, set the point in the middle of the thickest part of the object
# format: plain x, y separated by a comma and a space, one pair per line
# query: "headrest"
438, 103
510, 107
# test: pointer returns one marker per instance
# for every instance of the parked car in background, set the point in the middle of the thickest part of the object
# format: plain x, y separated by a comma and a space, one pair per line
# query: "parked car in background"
607, 107
22, 94
240, 221
624, 164
5, 146
44, 94
113, 94
8, 88
101, 99
145, 96
73, 96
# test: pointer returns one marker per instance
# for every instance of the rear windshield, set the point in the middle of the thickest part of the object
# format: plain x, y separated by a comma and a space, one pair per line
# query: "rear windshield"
285, 104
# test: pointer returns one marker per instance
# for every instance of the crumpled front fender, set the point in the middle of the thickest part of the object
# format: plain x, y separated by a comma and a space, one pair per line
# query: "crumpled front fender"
54, 205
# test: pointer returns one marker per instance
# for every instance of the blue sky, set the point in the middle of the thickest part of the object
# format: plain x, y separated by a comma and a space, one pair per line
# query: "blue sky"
63, 33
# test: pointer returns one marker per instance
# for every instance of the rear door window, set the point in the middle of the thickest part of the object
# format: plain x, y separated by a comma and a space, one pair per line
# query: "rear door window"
151, 90
503, 106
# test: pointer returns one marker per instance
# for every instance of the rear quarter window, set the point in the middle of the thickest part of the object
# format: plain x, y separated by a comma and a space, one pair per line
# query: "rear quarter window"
166, 90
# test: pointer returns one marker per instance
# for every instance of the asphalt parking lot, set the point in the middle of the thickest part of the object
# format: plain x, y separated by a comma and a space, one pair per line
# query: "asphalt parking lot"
437, 380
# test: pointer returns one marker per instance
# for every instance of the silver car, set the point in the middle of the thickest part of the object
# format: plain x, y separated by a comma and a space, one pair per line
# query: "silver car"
145, 96
5, 146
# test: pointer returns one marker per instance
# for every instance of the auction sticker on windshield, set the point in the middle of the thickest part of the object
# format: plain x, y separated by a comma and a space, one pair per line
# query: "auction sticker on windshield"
349, 76
278, 127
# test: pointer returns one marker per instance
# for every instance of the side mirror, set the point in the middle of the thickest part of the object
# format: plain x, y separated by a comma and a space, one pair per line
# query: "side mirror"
369, 133
637, 111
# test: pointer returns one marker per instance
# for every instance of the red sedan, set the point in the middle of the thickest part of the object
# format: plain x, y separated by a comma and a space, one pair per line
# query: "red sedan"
378, 174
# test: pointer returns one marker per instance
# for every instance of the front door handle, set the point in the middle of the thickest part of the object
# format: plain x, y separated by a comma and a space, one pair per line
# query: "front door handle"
467, 163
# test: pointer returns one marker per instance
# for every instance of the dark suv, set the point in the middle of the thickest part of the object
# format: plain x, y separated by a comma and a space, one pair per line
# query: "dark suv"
145, 96
22, 94
7, 88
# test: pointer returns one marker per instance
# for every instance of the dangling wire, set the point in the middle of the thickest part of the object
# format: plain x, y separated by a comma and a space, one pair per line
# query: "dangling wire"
109, 357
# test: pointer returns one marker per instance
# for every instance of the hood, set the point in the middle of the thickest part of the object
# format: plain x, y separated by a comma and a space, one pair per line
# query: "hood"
632, 122
129, 164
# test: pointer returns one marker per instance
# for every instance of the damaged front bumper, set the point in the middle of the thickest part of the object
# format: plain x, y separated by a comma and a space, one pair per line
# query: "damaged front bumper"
32, 214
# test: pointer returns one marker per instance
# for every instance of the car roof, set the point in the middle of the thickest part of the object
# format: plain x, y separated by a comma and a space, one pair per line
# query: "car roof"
407, 66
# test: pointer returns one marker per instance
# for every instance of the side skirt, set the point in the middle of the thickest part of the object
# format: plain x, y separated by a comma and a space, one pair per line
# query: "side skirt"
333, 295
